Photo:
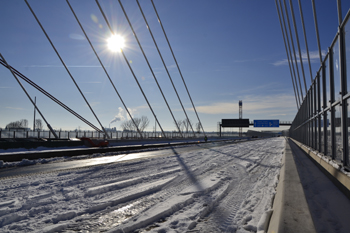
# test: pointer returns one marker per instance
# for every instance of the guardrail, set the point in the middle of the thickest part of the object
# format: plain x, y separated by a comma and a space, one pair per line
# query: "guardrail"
322, 121
8, 134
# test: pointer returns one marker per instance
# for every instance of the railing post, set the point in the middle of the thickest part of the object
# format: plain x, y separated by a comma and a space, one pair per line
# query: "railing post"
312, 117
324, 105
331, 79
320, 127
315, 114
308, 118
344, 107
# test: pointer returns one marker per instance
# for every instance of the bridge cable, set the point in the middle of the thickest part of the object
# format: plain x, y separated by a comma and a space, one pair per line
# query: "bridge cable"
103, 67
316, 27
285, 46
31, 100
292, 42
49, 95
160, 89
340, 17
298, 43
126, 60
155, 43
290, 59
306, 45
178, 67
47, 36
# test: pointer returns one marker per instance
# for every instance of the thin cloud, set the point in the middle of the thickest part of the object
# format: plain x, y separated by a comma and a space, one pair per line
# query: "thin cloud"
92, 104
249, 60
253, 104
60, 66
281, 114
14, 108
314, 57
272, 87
75, 36
266, 87
171, 66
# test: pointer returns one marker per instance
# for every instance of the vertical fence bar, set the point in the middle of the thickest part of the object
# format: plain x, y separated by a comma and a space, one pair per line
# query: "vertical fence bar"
308, 119
324, 105
316, 114
319, 112
343, 85
311, 120
331, 84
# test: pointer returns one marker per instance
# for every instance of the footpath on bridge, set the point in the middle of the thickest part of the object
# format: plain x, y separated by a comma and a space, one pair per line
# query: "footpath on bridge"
311, 196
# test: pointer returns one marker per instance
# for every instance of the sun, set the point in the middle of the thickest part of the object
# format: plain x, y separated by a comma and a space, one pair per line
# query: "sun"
115, 43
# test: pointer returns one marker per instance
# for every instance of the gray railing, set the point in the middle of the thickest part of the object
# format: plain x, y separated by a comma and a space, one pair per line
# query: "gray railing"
322, 121
8, 134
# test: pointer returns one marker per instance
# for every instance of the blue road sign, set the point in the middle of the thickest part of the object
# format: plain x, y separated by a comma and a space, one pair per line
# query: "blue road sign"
266, 123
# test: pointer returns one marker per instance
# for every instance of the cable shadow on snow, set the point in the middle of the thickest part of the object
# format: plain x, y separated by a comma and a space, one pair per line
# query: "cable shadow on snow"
245, 159
188, 172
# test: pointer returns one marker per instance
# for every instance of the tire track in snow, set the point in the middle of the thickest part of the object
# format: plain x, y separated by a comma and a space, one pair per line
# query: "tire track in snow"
225, 216
103, 210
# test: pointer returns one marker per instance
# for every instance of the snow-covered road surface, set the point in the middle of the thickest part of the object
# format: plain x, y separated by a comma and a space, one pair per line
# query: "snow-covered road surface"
221, 189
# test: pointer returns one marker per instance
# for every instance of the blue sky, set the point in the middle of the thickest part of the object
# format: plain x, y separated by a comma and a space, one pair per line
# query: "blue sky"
227, 51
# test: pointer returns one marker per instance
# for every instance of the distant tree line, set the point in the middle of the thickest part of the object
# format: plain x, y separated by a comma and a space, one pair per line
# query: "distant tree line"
23, 124
186, 126
141, 124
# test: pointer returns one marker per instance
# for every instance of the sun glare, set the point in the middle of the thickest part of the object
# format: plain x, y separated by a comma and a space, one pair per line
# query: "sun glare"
115, 43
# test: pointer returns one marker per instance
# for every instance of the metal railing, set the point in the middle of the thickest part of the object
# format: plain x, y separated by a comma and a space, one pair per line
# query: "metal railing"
18, 134
322, 121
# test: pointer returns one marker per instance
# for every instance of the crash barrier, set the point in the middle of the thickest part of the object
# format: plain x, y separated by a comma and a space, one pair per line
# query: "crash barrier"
6, 134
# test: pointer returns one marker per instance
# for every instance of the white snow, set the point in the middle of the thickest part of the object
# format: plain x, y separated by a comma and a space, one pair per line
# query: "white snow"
228, 188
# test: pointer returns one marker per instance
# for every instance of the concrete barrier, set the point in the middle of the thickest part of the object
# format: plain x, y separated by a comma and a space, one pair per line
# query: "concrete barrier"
18, 156
290, 209
341, 180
